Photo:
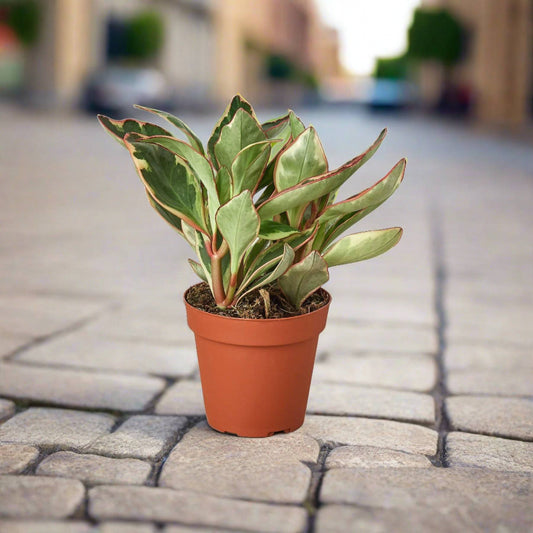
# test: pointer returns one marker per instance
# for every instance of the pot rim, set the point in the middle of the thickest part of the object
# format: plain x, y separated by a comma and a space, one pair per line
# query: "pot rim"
257, 320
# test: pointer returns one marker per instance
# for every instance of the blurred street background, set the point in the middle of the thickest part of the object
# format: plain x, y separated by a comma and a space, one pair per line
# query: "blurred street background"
468, 58
420, 415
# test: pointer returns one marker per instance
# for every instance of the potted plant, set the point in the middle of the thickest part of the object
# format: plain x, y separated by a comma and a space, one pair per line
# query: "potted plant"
258, 207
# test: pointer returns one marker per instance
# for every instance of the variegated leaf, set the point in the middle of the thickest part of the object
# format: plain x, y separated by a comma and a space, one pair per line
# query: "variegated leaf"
281, 131
300, 160
198, 269
361, 246
198, 163
248, 166
238, 102
170, 181
170, 218
314, 188
274, 231
242, 131
175, 121
238, 223
118, 129
377, 194
265, 274
203, 256
297, 126
304, 278
224, 183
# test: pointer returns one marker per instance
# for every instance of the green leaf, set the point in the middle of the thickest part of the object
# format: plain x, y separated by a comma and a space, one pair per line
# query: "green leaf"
224, 185
314, 188
272, 231
257, 280
377, 194
248, 166
203, 256
302, 159
170, 181
304, 278
361, 246
198, 163
280, 130
238, 102
198, 269
171, 219
238, 223
238, 134
190, 234
272, 126
175, 121
118, 129
297, 126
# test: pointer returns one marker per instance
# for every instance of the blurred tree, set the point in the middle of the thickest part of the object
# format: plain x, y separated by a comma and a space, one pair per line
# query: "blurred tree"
144, 35
23, 17
435, 34
391, 68
278, 67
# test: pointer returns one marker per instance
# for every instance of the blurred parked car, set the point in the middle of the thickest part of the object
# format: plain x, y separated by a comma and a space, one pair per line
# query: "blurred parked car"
388, 94
115, 89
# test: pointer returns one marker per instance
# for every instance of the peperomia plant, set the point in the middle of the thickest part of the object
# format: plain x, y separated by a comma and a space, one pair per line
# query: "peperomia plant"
260, 206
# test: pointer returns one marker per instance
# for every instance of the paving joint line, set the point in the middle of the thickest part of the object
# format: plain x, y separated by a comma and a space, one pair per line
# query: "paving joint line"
75, 326
318, 469
440, 391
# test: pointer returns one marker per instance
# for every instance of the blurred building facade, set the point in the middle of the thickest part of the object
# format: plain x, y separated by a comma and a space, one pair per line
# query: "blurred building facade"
498, 66
212, 48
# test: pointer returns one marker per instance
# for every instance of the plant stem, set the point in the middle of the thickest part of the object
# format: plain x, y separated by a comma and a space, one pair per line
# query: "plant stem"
231, 291
216, 276
216, 272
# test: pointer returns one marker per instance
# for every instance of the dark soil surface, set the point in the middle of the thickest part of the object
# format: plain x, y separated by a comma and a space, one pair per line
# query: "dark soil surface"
268, 302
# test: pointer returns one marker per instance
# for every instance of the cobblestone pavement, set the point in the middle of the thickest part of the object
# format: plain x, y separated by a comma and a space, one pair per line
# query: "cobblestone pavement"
420, 414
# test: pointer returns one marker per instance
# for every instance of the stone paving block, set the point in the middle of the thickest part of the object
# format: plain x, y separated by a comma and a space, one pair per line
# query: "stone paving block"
94, 469
191, 508
138, 325
462, 356
343, 519
45, 526
357, 337
140, 436
447, 489
76, 388
466, 449
494, 382
14, 458
83, 350
37, 315
186, 529
408, 309
182, 398
379, 286
209, 462
369, 457
125, 527
396, 371
7, 409
370, 432
36, 497
61, 428
492, 324
505, 417
342, 399
10, 343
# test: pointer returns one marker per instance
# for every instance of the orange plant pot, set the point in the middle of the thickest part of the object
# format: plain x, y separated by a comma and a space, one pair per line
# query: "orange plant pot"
256, 374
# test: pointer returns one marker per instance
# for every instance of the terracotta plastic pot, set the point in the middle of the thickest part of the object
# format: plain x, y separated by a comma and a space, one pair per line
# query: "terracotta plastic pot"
256, 373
